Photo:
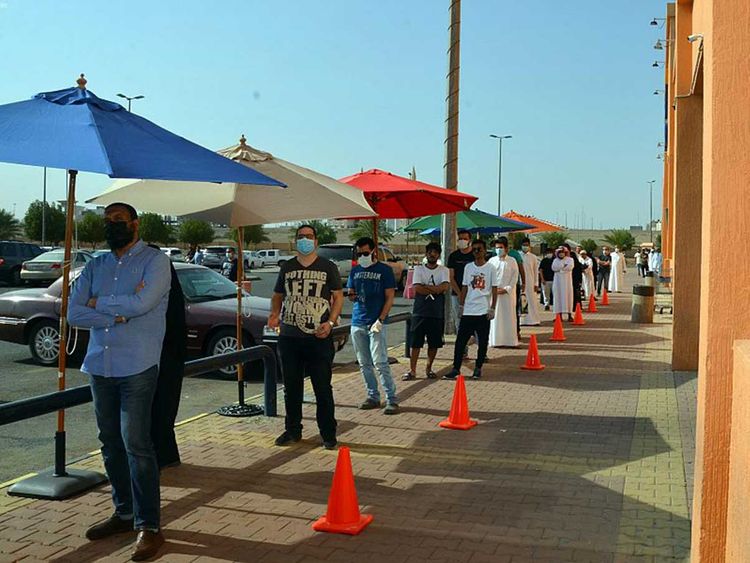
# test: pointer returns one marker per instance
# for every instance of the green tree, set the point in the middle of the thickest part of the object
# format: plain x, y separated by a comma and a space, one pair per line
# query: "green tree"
589, 245
326, 233
10, 228
364, 229
514, 239
91, 229
620, 237
54, 222
252, 234
554, 239
152, 228
196, 232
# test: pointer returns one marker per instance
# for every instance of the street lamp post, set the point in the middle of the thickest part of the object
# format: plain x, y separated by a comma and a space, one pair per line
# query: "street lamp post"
130, 98
500, 169
651, 209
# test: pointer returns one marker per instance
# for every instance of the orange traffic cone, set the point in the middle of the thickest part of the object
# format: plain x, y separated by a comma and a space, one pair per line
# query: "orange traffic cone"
558, 334
578, 318
605, 297
342, 516
458, 419
532, 358
592, 304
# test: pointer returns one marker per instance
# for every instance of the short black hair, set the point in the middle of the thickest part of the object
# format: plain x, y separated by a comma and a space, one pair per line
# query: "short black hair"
502, 240
479, 241
433, 246
365, 241
526, 240
306, 226
126, 206
463, 232
566, 245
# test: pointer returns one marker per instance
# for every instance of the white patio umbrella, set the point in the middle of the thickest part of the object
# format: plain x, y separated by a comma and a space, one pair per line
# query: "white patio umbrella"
308, 195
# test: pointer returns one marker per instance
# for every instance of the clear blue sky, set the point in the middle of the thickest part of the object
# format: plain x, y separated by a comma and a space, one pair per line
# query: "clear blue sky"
340, 85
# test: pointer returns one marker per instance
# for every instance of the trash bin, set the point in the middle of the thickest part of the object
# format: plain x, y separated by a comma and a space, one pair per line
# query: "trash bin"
650, 279
642, 310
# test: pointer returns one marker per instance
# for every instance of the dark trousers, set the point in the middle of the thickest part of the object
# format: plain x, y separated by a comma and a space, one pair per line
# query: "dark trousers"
576, 295
311, 357
602, 278
164, 409
469, 325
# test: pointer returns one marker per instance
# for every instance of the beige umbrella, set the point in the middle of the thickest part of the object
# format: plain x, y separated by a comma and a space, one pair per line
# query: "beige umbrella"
308, 195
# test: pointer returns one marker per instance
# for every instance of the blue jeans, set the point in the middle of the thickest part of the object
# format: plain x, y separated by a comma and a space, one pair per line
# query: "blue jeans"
372, 354
123, 417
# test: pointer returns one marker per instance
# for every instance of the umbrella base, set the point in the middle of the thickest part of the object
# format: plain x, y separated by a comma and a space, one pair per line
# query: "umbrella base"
239, 411
53, 487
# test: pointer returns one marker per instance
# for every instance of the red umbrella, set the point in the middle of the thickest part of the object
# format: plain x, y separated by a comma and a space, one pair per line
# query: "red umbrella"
396, 197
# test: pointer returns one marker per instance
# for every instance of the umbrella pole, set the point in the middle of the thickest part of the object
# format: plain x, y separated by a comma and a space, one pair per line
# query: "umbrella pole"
240, 279
375, 233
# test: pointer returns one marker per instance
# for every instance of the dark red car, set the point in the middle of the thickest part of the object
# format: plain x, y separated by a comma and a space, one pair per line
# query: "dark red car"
32, 316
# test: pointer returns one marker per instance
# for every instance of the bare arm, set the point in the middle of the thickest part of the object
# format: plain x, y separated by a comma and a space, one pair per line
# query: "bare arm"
273, 318
390, 295
454, 285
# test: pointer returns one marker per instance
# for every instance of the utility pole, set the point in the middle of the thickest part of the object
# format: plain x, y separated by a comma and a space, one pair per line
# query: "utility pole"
651, 209
44, 209
448, 233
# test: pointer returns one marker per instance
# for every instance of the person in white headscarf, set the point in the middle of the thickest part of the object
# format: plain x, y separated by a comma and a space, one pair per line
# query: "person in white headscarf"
503, 327
655, 262
562, 287
617, 276
589, 286
531, 267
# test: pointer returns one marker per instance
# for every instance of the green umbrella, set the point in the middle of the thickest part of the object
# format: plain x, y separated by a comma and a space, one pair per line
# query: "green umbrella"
472, 220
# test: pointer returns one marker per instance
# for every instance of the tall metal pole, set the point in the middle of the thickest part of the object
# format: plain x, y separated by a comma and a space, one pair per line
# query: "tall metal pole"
499, 176
448, 233
44, 209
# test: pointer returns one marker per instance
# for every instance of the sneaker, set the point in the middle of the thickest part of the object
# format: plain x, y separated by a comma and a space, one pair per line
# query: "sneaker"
546, 307
452, 374
288, 438
111, 526
369, 404
391, 408
477, 373
330, 444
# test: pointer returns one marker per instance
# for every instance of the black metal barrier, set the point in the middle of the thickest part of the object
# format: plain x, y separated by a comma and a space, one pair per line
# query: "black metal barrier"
393, 319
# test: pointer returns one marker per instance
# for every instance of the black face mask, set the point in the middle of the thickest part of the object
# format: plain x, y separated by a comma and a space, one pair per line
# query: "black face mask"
117, 234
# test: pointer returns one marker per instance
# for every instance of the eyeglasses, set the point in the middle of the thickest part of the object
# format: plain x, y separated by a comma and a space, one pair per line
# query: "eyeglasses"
360, 254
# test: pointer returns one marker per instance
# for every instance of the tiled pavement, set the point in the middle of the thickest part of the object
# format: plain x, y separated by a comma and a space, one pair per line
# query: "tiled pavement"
580, 462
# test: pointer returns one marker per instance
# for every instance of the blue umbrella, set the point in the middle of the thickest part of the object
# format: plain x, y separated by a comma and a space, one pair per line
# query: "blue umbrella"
75, 130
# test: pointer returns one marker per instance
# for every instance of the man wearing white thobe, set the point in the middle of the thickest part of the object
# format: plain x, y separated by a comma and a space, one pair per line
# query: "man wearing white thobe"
655, 262
617, 276
588, 274
562, 286
503, 327
531, 267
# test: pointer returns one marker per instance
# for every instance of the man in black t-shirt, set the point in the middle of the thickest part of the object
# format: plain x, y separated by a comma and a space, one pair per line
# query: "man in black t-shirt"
605, 266
457, 261
309, 288
229, 268
548, 276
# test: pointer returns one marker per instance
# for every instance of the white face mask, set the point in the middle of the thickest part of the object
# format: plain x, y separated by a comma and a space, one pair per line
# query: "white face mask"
365, 261
463, 244
525, 248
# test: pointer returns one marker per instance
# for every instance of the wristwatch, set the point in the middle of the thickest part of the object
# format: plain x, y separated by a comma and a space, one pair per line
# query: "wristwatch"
333, 324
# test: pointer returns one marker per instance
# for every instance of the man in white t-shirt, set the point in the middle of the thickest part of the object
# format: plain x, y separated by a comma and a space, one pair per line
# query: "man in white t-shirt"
477, 307
431, 283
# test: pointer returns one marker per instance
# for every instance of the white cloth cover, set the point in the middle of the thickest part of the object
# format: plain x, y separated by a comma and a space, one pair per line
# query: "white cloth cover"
503, 328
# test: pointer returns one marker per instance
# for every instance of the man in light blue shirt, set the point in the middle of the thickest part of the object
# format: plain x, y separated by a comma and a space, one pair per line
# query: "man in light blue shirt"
122, 299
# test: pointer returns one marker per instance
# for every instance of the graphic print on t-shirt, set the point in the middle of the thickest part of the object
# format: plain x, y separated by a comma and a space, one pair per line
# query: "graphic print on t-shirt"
478, 281
305, 305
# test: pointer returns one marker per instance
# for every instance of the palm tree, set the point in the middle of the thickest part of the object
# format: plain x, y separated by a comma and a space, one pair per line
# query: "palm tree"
620, 238
9, 225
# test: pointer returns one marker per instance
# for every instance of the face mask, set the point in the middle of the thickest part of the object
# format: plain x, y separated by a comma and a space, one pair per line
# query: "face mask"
525, 248
117, 234
305, 246
463, 244
365, 261
548, 255
500, 252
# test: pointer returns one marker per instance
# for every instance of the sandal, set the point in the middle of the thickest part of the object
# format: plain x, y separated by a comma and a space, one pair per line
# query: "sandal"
408, 376
431, 375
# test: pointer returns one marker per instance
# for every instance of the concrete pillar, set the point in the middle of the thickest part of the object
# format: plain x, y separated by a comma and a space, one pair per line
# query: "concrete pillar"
725, 279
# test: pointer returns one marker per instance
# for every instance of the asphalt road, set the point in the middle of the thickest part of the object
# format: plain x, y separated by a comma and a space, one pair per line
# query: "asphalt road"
28, 446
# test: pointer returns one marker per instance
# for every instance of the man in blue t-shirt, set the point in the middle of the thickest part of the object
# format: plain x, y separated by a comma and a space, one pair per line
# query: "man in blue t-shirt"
372, 288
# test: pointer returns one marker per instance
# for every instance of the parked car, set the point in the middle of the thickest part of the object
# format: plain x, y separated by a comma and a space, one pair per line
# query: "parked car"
274, 257
253, 259
47, 267
12, 255
215, 256
175, 254
343, 255
31, 317
100, 252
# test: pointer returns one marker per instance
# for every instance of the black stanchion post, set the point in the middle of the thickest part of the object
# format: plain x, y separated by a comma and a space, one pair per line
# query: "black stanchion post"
407, 338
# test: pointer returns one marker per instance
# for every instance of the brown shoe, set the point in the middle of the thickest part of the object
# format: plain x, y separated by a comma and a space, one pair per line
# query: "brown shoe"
111, 526
147, 545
